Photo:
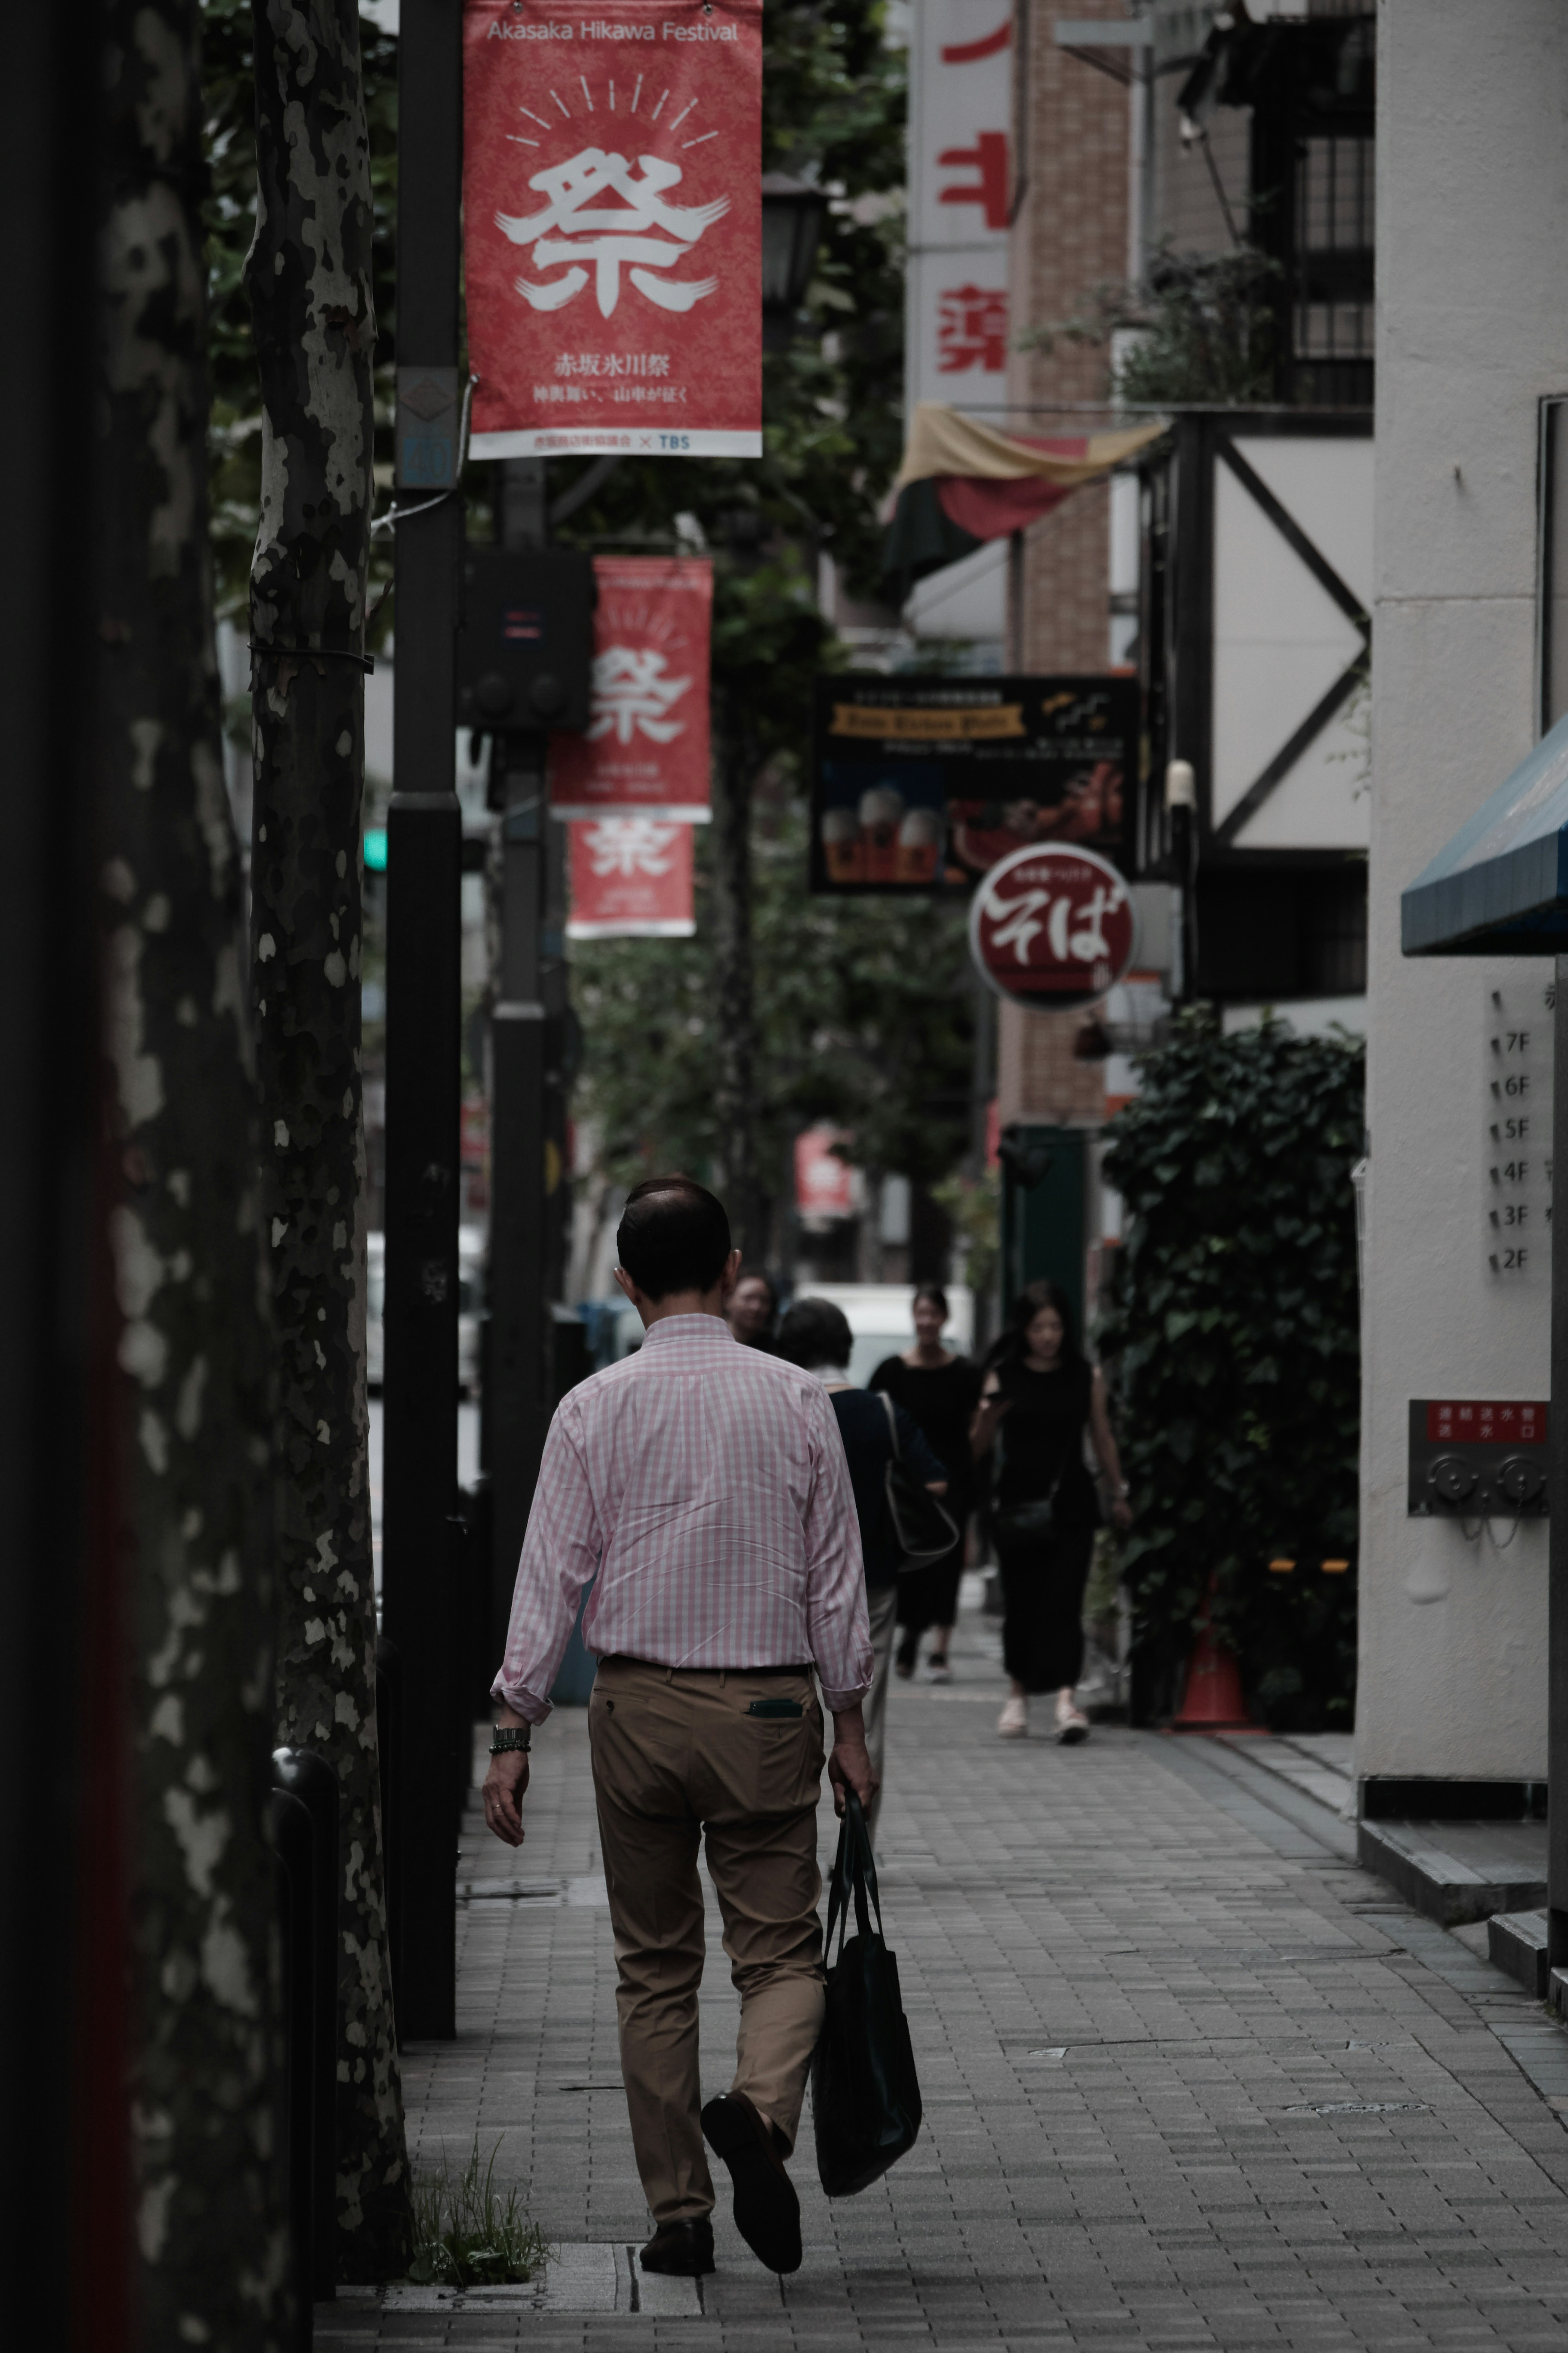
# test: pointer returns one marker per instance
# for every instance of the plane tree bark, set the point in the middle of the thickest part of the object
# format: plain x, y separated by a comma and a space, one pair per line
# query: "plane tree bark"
192, 1405
309, 277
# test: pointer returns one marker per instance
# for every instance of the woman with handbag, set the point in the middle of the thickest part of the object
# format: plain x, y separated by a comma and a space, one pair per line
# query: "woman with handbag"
939, 1391
890, 1466
1039, 1398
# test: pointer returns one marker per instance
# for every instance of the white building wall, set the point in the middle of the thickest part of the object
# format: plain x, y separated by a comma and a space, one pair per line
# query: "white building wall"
1473, 329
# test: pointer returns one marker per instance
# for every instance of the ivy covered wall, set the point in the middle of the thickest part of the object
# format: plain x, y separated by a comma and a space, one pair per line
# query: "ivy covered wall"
1231, 1343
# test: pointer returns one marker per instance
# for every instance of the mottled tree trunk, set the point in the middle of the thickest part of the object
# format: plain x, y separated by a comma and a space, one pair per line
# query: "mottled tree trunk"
310, 281
192, 1350
734, 979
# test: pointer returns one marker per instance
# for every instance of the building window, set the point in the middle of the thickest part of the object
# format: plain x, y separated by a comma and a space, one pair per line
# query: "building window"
1551, 566
1332, 322
1334, 196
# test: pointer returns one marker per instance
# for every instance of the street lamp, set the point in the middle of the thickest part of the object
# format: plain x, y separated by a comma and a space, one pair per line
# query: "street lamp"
793, 214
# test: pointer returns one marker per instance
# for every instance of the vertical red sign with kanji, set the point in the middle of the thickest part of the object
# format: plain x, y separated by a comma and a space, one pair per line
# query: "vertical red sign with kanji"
644, 751
961, 195
630, 879
612, 240
824, 1183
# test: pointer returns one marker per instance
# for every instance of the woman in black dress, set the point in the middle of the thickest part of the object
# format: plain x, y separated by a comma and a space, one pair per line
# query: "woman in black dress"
1039, 1397
939, 1391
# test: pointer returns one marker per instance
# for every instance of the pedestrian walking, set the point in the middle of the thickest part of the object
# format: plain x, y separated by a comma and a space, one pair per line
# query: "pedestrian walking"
705, 1484
816, 1336
752, 1307
938, 1389
1039, 1398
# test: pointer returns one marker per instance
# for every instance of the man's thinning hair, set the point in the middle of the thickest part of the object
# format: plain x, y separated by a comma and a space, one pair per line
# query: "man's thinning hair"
673, 1235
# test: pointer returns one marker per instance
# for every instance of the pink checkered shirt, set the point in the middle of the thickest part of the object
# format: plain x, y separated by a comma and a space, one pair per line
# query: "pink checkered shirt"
706, 1484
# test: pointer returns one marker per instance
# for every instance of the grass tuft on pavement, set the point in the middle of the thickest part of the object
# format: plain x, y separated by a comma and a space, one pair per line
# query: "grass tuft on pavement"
466, 2235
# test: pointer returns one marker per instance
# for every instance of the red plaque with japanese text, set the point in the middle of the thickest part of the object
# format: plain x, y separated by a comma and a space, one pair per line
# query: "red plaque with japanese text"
611, 208
1053, 928
645, 751
1479, 1421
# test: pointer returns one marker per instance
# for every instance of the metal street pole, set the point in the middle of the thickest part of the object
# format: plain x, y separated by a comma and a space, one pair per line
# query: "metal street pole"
423, 868
517, 1392
1557, 1525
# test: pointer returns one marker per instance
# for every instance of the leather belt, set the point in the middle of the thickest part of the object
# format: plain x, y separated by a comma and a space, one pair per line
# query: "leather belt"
663, 1667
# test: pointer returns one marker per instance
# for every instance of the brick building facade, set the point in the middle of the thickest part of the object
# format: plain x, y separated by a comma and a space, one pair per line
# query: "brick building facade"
1070, 234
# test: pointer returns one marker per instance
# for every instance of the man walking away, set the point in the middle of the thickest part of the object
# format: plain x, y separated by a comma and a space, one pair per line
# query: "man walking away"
706, 1484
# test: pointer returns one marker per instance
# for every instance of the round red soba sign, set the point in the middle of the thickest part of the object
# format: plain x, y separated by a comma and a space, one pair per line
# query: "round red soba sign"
1053, 928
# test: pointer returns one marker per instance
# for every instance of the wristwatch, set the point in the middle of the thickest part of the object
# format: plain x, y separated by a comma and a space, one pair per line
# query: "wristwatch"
505, 1738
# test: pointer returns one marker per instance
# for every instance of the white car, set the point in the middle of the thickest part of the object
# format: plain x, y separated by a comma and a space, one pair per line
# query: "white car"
470, 1305
881, 1319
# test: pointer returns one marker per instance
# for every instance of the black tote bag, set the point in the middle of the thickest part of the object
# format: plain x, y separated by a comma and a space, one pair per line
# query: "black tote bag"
864, 2094
923, 1529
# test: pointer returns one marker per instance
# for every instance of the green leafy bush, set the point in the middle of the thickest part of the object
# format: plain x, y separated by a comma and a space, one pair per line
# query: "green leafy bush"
1232, 1346
467, 2235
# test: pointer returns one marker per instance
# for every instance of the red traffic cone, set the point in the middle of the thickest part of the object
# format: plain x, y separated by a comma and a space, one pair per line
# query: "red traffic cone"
1212, 1699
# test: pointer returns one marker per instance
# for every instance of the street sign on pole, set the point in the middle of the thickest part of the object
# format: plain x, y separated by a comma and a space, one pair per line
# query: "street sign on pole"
423, 1021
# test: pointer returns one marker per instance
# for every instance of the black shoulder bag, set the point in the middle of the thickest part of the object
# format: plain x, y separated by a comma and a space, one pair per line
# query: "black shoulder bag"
925, 1530
865, 2093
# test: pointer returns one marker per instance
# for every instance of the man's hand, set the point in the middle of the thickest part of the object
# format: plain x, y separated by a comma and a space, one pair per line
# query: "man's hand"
503, 1786
850, 1766
506, 1781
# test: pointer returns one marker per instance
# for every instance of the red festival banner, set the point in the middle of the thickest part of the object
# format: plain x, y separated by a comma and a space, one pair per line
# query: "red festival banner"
644, 751
631, 879
611, 208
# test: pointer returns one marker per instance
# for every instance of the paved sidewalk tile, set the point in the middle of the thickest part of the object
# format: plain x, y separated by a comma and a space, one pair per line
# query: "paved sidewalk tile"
1193, 2079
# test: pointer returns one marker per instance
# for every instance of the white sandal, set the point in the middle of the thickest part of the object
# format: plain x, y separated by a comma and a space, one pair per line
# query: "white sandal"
1013, 1724
1072, 1725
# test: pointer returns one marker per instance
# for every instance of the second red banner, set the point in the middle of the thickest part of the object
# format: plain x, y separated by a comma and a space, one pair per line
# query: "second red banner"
645, 750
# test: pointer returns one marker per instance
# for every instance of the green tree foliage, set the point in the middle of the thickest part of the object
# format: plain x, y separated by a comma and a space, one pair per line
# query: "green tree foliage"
1194, 327
832, 113
861, 1009
864, 1021
833, 99
1232, 1343
234, 438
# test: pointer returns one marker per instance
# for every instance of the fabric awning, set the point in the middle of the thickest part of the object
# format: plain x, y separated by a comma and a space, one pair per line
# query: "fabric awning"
1501, 885
962, 482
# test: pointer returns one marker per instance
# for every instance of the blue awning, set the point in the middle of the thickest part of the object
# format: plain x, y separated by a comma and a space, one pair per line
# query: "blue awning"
1500, 886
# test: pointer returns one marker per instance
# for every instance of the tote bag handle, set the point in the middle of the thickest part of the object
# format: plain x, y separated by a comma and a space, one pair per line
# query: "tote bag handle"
853, 1877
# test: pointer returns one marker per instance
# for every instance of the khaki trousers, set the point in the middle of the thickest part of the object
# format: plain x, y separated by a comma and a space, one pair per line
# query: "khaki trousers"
678, 1756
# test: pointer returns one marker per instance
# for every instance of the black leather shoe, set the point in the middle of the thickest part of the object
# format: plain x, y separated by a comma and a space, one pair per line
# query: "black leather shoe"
767, 2212
685, 2249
